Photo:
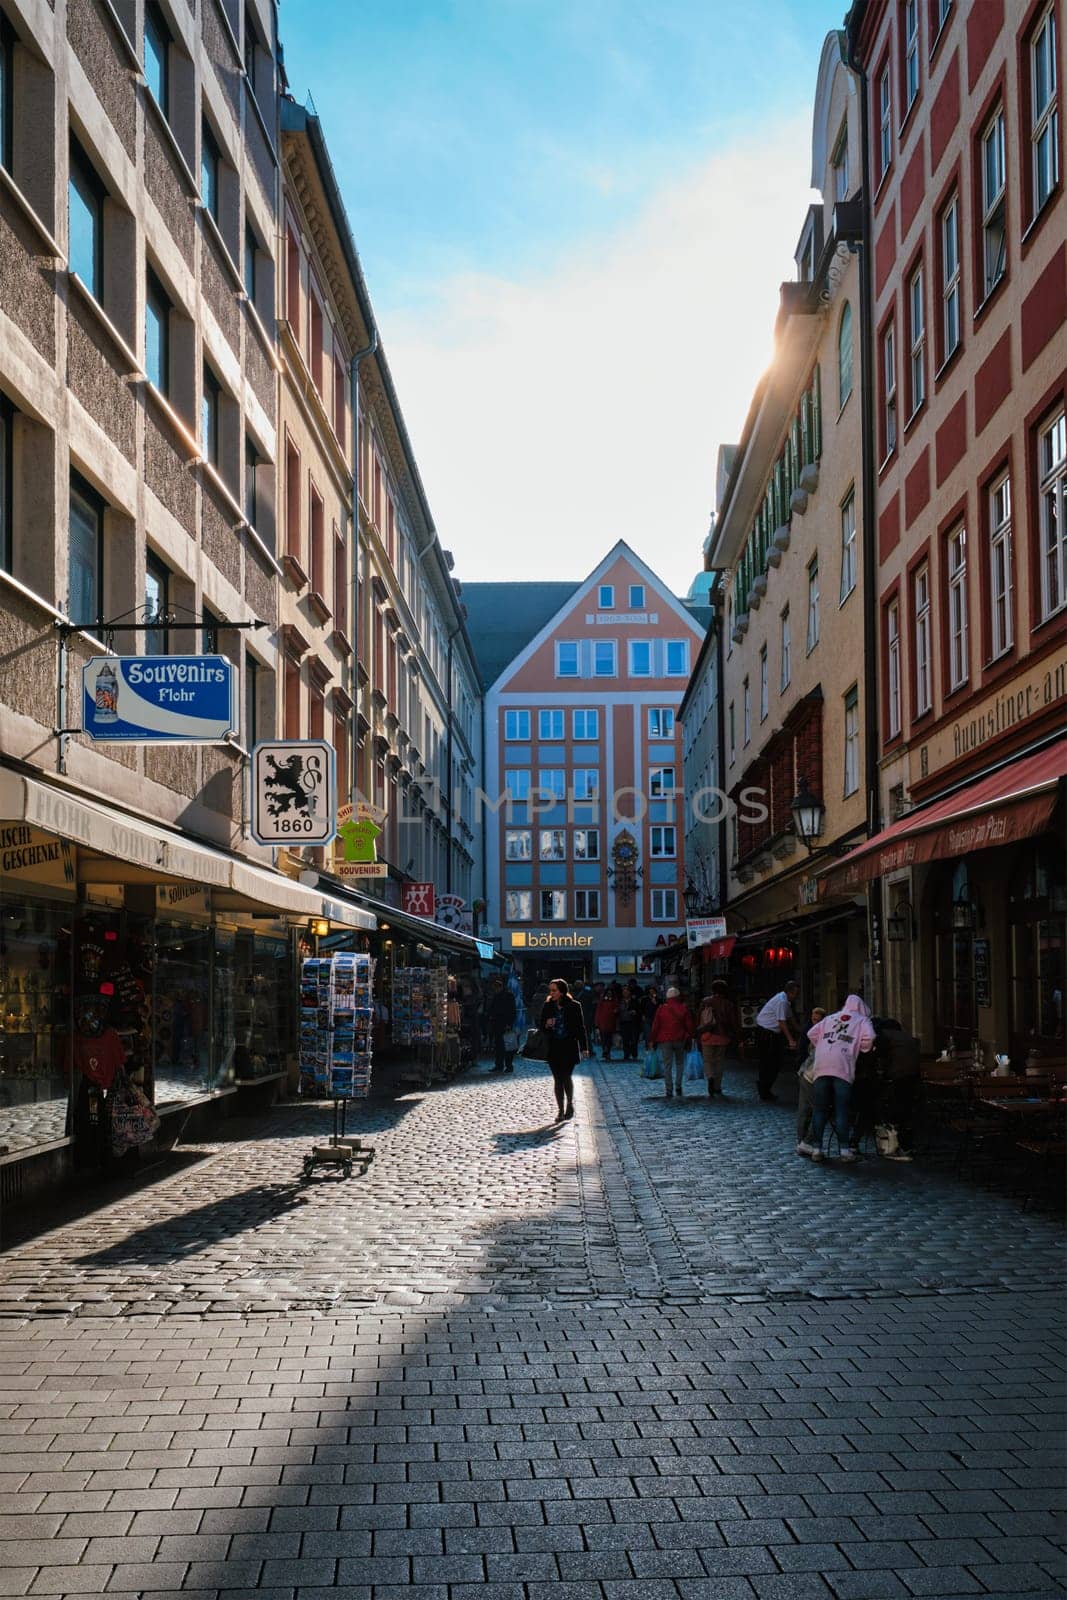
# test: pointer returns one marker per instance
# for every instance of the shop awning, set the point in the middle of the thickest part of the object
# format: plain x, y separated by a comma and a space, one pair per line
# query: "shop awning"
802, 922
421, 928
117, 848
1005, 806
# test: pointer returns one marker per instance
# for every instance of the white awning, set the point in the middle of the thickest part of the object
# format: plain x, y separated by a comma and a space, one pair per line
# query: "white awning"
131, 850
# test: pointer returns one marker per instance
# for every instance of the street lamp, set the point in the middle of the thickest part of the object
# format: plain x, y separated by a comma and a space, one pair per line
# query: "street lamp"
807, 815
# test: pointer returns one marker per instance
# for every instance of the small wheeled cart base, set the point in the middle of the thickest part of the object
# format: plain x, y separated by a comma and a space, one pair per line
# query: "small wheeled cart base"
344, 1149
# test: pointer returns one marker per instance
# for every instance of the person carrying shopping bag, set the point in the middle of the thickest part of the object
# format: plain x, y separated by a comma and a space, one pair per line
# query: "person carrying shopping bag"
719, 1027
672, 1029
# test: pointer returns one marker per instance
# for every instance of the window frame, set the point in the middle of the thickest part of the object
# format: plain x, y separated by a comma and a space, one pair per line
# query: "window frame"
610, 645
916, 302
518, 905
561, 646
158, 301
1002, 630
849, 551
951, 276
746, 714
251, 701
7, 461
588, 834
8, 40
589, 898
732, 722
1044, 120
785, 637
551, 712
522, 776
994, 214
632, 646
586, 712
924, 640
84, 180
210, 408
83, 492
581, 787
511, 834
1052, 486
764, 683
884, 142
813, 623
911, 80
683, 646
656, 790
639, 603
845, 325
662, 853
210, 172
661, 711
155, 23
851, 764
518, 712
894, 699
840, 166
602, 590
552, 781
665, 914
552, 844
156, 570
888, 365
556, 897
957, 608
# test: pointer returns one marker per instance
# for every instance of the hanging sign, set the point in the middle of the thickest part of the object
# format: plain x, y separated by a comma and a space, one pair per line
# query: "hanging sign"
35, 857
702, 930
159, 699
355, 852
451, 912
417, 899
294, 792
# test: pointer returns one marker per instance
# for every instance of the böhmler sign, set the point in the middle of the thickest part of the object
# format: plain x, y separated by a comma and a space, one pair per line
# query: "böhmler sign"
550, 940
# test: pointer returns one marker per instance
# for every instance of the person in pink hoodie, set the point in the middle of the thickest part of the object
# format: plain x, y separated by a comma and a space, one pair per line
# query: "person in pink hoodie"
839, 1040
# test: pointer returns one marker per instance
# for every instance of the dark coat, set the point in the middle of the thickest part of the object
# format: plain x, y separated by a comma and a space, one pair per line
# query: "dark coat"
500, 1012
566, 1052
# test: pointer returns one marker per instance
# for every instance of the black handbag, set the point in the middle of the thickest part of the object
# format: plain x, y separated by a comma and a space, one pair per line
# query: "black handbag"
536, 1045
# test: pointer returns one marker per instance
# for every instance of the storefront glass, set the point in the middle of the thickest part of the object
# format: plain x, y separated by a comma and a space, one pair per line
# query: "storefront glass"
185, 1064
263, 1005
34, 1020
1039, 949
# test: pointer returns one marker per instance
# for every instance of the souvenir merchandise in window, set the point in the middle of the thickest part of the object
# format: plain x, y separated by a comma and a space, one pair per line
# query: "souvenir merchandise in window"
34, 1012
184, 1068
262, 1006
420, 1005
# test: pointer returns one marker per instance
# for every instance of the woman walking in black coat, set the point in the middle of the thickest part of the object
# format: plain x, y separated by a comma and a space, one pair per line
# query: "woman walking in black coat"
564, 1024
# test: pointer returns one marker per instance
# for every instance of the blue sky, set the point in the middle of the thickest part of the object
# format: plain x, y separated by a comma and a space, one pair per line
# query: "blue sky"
514, 161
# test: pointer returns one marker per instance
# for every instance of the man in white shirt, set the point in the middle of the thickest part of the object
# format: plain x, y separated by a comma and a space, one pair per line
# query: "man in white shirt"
776, 1030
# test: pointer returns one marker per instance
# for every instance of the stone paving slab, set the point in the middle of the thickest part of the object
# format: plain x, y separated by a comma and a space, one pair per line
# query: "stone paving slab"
473, 1193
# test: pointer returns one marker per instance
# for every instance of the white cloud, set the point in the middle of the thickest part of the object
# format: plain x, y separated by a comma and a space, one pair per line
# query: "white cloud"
552, 416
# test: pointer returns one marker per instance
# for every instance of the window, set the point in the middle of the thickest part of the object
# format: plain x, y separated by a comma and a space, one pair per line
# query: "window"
585, 843
956, 554
587, 905
251, 728
911, 53
157, 57
677, 658
566, 660
156, 604
209, 417
640, 658
812, 636
746, 714
157, 334
518, 905
764, 687
585, 725
661, 782
917, 333
251, 47
6, 531
316, 325
518, 844
892, 636
586, 783
637, 597
553, 905
923, 641
848, 546
662, 843
786, 650
85, 220
553, 781
840, 165
664, 905
885, 122
251, 485
852, 741
317, 543
994, 229
604, 658
85, 584
889, 392
844, 355
553, 844
732, 720
660, 722
251, 262
1001, 578
1052, 465
942, 7
606, 597
340, 613
516, 725
517, 782
210, 164
1044, 112
550, 725
7, 76
950, 277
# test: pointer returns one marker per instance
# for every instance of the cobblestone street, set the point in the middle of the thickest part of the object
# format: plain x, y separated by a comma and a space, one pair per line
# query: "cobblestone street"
647, 1354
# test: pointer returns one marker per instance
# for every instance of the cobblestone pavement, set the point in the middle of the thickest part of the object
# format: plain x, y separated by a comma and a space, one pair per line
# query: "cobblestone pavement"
644, 1356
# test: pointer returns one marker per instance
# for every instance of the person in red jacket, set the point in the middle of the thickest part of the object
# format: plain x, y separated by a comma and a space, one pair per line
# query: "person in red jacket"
673, 1027
606, 1018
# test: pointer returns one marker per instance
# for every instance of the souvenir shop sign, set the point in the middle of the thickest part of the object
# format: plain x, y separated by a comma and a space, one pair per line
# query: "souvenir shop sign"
294, 792
702, 930
355, 852
191, 899
159, 699
35, 857
417, 899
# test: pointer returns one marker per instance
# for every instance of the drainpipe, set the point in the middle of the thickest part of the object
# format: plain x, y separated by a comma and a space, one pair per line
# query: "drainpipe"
360, 356
871, 720
720, 754
448, 758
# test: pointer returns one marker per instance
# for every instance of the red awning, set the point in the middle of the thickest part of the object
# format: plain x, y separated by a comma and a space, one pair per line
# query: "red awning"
1010, 804
719, 949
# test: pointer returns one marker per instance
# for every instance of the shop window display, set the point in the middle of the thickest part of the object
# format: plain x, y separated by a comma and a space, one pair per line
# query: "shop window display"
1038, 914
186, 1065
262, 1007
34, 1015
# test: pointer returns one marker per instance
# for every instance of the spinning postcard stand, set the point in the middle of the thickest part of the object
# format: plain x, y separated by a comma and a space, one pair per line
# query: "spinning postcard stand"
420, 1015
336, 1031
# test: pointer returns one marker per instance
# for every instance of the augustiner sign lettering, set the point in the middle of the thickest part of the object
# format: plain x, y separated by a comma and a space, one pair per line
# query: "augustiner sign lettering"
1021, 700
549, 939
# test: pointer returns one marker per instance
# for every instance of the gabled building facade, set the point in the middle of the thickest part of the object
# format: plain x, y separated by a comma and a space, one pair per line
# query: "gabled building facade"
584, 823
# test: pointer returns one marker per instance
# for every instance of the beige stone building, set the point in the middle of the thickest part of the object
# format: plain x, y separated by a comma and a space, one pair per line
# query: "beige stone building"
138, 448
788, 538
